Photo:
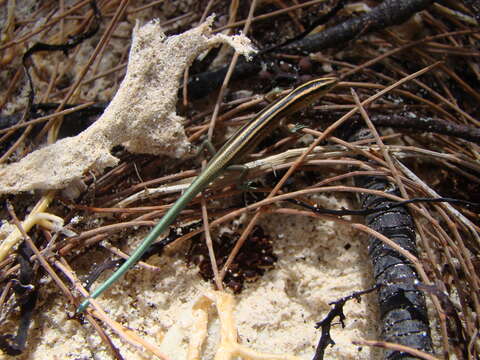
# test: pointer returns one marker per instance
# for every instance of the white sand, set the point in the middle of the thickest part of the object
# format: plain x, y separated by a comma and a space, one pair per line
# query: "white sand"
276, 314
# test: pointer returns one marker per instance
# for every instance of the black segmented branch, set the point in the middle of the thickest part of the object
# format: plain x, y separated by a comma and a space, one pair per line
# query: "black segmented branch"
203, 84
403, 310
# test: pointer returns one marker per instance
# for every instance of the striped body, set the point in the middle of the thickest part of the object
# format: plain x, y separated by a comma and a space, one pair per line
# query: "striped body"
241, 143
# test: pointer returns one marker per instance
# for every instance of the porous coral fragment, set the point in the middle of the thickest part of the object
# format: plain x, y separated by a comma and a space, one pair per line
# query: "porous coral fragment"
141, 116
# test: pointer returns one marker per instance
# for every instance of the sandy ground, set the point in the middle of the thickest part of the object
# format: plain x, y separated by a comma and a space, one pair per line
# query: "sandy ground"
318, 262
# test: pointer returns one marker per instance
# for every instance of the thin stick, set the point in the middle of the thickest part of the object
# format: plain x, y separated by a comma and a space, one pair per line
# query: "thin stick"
380, 144
271, 14
302, 157
396, 347
229, 74
128, 335
208, 240
106, 36
48, 117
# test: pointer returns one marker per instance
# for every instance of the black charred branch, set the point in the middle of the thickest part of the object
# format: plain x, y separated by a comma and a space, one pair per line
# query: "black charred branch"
403, 310
72, 125
322, 20
78, 121
391, 205
388, 13
326, 323
26, 295
203, 84
73, 41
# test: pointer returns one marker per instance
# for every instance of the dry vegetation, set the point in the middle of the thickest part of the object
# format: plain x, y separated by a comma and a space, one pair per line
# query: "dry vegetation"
409, 74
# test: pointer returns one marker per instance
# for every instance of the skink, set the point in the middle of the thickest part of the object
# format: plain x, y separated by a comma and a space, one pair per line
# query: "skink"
240, 144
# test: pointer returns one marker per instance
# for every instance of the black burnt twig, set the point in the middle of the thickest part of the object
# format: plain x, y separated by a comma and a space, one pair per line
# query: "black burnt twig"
26, 293
73, 41
73, 124
389, 206
326, 323
319, 21
388, 13
65, 47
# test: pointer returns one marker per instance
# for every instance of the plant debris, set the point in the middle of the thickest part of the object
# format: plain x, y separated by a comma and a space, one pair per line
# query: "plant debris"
141, 116
255, 257
407, 68
26, 293
327, 322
